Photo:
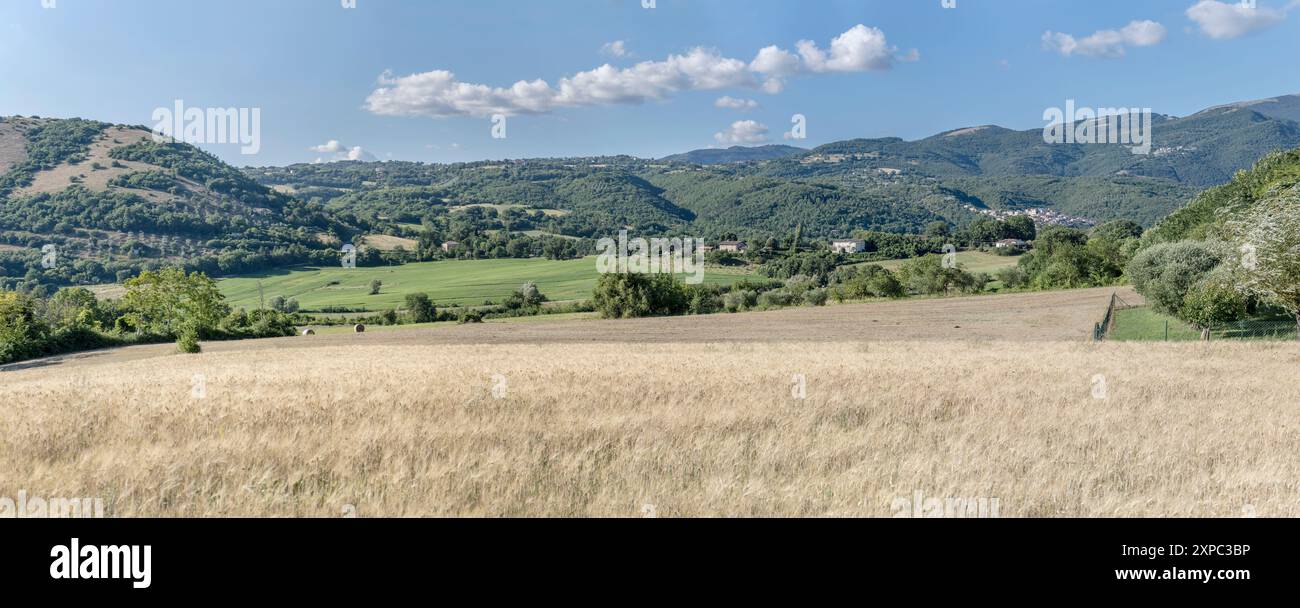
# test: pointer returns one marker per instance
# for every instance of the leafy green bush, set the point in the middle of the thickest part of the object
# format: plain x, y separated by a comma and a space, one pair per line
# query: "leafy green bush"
421, 308
1212, 302
188, 342
1165, 273
705, 299
630, 295
816, 297
779, 298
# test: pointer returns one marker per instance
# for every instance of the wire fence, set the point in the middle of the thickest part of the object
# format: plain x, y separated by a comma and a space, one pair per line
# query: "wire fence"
1104, 329
1128, 322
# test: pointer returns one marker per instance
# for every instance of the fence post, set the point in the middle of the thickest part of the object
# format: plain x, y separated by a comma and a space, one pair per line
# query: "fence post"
1110, 315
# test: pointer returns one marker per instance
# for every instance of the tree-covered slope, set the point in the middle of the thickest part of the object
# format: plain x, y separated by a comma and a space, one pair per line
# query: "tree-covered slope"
1207, 213
92, 202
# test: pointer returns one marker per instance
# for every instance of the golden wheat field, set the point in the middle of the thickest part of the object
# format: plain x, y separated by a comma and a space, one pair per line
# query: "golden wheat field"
670, 429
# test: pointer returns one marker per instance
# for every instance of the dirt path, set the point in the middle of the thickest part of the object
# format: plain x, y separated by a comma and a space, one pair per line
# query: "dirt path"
1022, 317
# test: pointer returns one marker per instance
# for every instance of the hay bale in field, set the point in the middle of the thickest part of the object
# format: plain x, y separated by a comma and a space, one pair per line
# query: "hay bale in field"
308, 332
361, 329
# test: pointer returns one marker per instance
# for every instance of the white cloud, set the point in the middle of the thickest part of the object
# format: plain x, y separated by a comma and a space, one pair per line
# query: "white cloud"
438, 94
1222, 21
860, 49
776, 64
1106, 43
742, 132
356, 153
732, 103
617, 48
341, 152
332, 145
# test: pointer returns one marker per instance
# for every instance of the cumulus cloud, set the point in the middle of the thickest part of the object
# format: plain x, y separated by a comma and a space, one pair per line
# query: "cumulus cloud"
742, 132
732, 103
1106, 43
617, 48
860, 49
1223, 21
341, 152
332, 145
439, 94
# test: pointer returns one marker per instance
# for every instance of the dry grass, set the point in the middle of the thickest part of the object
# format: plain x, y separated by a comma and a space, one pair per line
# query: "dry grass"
693, 429
386, 242
60, 178
1060, 316
13, 144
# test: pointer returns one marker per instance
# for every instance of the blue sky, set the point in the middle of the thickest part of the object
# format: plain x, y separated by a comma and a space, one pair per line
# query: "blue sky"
912, 70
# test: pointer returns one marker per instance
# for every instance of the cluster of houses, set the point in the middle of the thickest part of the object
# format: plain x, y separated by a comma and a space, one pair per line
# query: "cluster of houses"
727, 246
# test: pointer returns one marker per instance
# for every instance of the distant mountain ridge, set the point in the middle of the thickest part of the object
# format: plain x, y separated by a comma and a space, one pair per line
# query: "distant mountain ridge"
1200, 150
735, 154
1285, 107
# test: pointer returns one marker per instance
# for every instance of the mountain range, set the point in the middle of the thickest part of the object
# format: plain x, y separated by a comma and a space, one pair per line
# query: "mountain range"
114, 201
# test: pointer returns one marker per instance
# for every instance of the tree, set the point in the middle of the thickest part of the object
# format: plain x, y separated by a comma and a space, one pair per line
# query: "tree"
938, 230
1019, 227
630, 295
984, 230
375, 286
928, 275
1213, 301
277, 303
169, 303
1165, 273
1268, 239
73, 305
22, 334
527, 298
421, 308
1118, 230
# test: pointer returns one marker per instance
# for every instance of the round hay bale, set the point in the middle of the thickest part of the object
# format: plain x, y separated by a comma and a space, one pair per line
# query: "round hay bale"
361, 329
308, 332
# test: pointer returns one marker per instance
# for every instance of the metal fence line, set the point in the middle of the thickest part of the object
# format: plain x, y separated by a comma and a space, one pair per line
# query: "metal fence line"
1246, 329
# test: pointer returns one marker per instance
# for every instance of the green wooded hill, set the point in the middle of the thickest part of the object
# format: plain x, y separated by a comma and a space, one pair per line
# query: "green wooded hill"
1205, 216
111, 202
734, 154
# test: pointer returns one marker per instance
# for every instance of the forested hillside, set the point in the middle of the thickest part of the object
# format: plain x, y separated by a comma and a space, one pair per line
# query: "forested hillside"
87, 202
111, 201
1210, 212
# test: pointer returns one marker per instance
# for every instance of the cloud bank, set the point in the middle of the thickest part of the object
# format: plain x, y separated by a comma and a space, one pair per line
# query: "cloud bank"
1224, 21
439, 94
1106, 43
